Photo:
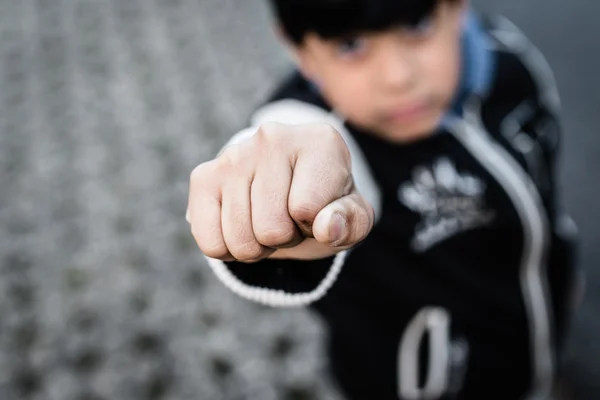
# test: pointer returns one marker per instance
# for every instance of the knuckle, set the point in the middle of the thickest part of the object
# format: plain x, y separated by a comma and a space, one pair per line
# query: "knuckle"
333, 140
200, 172
363, 224
234, 157
328, 134
276, 237
204, 179
249, 251
304, 211
268, 132
214, 250
362, 221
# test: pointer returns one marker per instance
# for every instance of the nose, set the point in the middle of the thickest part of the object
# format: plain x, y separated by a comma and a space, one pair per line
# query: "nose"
396, 72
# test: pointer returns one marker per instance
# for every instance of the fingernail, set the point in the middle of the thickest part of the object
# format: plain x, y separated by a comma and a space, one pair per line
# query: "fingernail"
337, 229
187, 216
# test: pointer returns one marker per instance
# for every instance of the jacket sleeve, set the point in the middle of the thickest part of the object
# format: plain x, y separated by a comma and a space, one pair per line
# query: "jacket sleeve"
565, 277
293, 283
540, 137
535, 128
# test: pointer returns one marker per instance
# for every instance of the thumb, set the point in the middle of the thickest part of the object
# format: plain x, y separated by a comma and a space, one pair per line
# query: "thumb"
345, 222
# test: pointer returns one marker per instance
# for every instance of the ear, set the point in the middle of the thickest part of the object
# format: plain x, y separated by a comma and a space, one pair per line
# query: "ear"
305, 63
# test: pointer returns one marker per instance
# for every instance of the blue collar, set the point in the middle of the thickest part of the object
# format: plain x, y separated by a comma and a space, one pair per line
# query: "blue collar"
477, 70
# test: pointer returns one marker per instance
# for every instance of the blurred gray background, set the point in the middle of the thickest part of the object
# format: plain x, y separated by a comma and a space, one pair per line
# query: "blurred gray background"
105, 108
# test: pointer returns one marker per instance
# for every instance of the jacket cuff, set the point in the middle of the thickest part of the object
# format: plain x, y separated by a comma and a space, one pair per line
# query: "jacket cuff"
280, 283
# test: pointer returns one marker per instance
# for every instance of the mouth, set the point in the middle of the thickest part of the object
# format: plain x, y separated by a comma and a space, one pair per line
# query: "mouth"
407, 113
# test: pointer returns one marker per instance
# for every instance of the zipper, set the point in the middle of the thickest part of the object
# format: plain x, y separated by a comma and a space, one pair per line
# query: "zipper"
526, 199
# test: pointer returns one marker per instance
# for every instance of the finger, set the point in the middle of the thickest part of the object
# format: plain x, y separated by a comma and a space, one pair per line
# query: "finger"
236, 222
204, 216
206, 228
318, 180
272, 225
345, 222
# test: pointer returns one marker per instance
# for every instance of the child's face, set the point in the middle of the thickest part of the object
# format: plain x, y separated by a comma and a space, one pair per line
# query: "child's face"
398, 83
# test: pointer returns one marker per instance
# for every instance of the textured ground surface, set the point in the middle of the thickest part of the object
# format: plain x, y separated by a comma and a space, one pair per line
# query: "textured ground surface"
105, 107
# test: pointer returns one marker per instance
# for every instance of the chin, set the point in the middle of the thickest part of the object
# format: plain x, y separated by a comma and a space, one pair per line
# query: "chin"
416, 130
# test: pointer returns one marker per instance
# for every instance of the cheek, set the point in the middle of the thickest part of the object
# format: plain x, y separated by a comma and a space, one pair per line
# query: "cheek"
350, 92
442, 63
449, 73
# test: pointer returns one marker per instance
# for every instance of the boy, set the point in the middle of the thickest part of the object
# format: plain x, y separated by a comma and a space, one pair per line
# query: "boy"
401, 184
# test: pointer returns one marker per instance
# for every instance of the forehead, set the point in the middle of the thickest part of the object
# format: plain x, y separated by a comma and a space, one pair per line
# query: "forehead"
337, 18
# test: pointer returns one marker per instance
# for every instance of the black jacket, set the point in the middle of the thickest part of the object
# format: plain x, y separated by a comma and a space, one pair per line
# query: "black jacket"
462, 289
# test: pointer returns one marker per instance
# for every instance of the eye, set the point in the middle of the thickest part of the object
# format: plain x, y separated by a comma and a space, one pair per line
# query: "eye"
422, 28
351, 46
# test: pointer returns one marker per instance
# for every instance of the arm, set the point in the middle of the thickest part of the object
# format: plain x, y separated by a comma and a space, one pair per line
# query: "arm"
535, 128
301, 274
543, 129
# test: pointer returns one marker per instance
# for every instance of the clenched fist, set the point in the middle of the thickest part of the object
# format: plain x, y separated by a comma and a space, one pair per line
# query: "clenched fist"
286, 192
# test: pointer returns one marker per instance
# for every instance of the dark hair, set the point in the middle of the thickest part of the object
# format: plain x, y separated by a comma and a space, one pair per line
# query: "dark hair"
338, 18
